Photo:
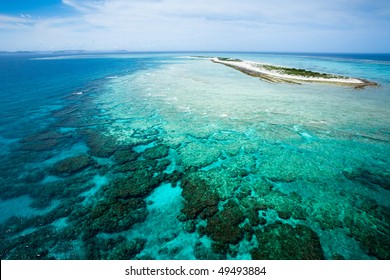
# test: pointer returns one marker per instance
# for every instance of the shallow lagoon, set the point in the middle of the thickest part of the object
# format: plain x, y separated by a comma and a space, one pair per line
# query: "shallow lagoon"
181, 158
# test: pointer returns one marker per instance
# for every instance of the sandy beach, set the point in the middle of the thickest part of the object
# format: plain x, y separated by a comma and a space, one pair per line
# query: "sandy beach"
278, 74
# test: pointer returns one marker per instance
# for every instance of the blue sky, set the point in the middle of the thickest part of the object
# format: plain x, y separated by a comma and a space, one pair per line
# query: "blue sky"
221, 25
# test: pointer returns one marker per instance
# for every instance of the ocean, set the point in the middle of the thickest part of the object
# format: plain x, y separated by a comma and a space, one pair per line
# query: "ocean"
170, 156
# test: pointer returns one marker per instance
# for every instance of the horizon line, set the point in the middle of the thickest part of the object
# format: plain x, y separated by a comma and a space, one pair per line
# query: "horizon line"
82, 51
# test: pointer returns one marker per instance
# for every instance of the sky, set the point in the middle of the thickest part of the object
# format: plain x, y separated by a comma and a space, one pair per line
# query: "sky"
349, 26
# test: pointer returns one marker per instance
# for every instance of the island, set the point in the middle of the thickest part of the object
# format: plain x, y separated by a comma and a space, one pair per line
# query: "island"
280, 74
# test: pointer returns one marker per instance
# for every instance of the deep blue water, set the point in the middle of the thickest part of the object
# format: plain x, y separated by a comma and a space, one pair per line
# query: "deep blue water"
380, 57
30, 87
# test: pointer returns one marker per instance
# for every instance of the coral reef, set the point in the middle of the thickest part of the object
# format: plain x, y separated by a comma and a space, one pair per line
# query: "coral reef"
71, 165
284, 242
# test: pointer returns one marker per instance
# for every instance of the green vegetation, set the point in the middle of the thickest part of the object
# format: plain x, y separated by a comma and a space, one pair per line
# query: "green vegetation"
229, 59
299, 72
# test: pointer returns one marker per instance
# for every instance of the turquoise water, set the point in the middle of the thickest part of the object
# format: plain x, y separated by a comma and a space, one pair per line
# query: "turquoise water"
166, 156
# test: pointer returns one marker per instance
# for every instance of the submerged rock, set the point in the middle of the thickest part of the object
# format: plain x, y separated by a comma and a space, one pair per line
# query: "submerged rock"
42, 145
198, 195
127, 250
44, 141
112, 215
208, 212
113, 248
34, 246
162, 165
218, 180
72, 165
34, 177
223, 227
371, 229
45, 194
253, 216
174, 177
124, 156
158, 151
139, 184
189, 226
220, 250
284, 242
368, 177
328, 215
100, 145
136, 165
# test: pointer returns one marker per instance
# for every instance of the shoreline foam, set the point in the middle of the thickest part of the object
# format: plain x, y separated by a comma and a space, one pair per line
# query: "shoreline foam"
276, 75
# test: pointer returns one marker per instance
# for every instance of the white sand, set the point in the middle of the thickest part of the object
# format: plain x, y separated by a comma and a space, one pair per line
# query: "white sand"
256, 67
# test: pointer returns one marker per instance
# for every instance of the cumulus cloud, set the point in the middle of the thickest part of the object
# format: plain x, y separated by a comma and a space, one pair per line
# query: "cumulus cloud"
277, 25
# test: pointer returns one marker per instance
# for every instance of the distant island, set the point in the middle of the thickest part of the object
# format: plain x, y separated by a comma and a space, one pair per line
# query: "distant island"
279, 74
64, 52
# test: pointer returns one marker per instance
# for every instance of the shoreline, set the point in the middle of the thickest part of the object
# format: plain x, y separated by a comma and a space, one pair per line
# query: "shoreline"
278, 74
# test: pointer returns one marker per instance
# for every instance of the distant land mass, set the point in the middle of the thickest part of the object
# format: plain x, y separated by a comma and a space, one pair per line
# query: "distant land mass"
62, 52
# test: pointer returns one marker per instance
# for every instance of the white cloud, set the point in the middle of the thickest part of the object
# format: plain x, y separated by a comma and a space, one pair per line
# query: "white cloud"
203, 25
83, 6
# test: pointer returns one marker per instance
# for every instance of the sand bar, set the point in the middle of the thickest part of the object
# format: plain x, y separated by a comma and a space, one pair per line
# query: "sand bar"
279, 74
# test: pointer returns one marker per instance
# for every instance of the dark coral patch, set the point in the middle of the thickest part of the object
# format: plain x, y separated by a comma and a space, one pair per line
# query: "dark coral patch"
118, 248
369, 177
371, 228
223, 227
198, 195
158, 151
112, 215
125, 155
138, 184
284, 242
44, 141
100, 145
72, 165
